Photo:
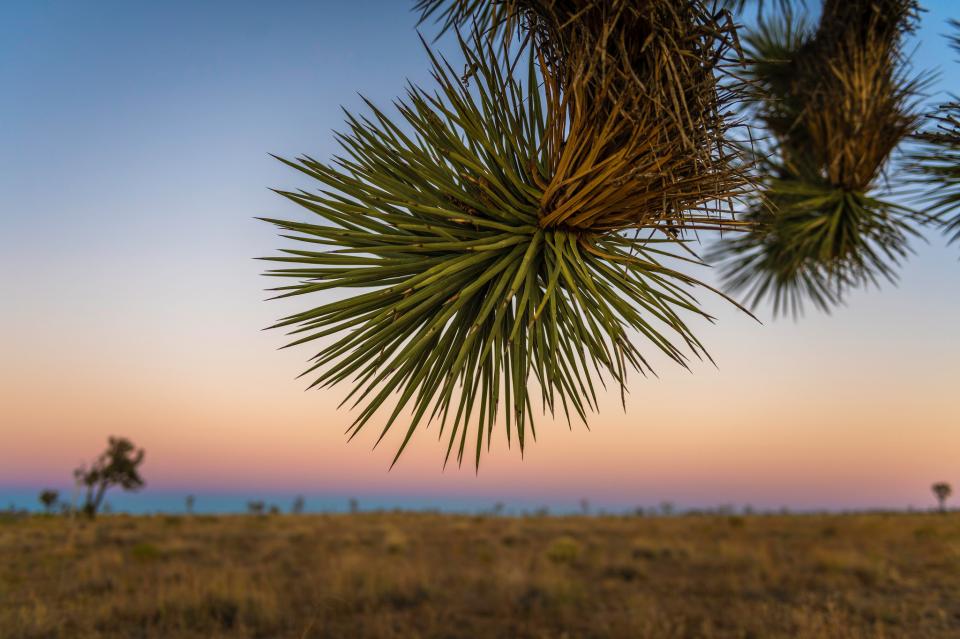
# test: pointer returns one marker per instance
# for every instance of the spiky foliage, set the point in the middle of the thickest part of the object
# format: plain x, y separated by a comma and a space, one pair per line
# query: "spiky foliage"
503, 231
739, 6
836, 102
487, 15
938, 166
937, 161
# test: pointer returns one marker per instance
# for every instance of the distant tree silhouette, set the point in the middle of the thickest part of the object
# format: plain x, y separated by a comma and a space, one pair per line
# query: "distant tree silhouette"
585, 506
498, 508
190, 500
354, 506
256, 507
942, 490
298, 505
116, 466
49, 499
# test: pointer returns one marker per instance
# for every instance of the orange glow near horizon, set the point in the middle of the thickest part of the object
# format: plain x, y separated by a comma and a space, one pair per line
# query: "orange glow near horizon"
827, 421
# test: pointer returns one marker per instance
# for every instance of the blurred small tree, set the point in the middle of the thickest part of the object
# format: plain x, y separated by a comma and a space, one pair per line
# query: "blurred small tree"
116, 466
584, 506
354, 506
298, 505
942, 490
256, 507
49, 499
190, 500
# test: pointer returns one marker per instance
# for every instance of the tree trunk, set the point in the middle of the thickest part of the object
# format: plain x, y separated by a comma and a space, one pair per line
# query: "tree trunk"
101, 491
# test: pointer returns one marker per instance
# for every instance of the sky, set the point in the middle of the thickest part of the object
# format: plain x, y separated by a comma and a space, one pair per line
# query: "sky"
134, 142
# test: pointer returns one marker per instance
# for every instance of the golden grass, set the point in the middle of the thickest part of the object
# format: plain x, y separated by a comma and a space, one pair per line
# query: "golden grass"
427, 575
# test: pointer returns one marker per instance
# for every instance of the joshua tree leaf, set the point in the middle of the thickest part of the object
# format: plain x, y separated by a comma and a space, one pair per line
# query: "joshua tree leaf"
489, 232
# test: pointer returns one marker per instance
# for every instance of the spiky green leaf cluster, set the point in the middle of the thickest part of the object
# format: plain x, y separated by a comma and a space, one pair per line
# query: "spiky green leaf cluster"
812, 242
457, 14
740, 6
463, 296
836, 101
937, 162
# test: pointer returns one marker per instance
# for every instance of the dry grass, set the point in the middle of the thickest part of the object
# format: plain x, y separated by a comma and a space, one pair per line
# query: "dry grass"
425, 575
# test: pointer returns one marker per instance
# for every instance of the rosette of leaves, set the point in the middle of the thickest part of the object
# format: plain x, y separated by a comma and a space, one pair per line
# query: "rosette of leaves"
937, 162
506, 239
835, 102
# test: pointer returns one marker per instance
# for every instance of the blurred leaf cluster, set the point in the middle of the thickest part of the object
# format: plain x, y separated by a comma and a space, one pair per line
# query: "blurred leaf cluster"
833, 102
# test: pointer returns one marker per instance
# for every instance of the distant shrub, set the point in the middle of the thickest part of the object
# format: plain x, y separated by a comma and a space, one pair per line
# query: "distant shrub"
49, 499
405, 598
646, 549
511, 539
395, 541
145, 552
223, 610
924, 533
829, 531
563, 550
868, 570
299, 503
623, 572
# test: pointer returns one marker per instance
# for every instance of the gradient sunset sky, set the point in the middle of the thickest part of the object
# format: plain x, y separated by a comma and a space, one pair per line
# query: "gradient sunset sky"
133, 159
